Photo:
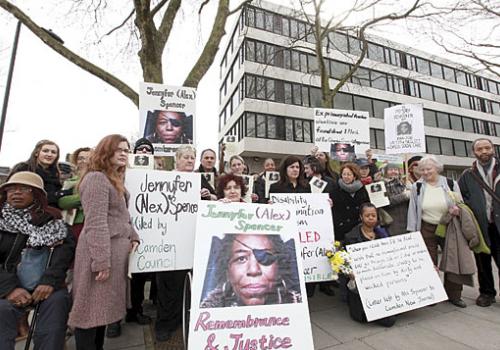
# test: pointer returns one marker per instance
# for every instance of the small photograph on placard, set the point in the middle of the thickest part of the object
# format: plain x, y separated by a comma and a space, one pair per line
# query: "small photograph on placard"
270, 178
317, 185
343, 152
164, 163
377, 193
230, 278
403, 128
141, 161
210, 178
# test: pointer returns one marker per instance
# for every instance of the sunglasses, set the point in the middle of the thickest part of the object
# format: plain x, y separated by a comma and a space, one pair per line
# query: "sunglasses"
144, 148
263, 256
174, 122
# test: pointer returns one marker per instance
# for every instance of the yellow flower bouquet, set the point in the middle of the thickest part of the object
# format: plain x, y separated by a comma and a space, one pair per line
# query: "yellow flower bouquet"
340, 261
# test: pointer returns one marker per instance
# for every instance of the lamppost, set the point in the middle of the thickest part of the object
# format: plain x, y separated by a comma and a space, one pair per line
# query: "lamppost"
11, 71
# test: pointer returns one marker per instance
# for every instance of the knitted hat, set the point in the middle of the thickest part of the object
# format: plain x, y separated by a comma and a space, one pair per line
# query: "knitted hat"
413, 159
144, 141
25, 178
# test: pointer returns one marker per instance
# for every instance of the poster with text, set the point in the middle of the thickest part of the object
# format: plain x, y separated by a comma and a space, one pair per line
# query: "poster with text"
378, 194
404, 129
167, 116
338, 126
163, 207
314, 220
395, 275
247, 290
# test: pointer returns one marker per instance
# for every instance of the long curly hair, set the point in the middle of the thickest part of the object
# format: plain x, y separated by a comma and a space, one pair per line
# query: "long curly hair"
100, 160
225, 179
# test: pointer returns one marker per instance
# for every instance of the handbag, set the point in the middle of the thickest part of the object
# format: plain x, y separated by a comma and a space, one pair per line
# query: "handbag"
385, 219
32, 266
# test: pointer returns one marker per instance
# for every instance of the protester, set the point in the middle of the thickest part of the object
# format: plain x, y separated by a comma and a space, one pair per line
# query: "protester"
481, 192
364, 171
348, 196
28, 223
207, 165
260, 183
367, 230
260, 260
292, 179
430, 201
107, 238
236, 165
326, 162
44, 161
399, 197
171, 128
413, 170
231, 188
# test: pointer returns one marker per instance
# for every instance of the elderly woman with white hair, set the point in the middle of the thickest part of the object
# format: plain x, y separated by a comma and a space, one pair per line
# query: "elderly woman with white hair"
432, 198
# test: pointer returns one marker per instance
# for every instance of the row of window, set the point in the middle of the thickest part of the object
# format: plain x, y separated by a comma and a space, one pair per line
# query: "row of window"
279, 24
278, 56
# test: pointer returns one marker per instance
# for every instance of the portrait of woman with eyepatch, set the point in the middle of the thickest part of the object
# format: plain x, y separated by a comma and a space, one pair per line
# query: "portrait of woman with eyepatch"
250, 270
169, 127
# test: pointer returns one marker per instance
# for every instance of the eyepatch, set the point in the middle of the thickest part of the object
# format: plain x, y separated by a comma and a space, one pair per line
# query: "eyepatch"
263, 256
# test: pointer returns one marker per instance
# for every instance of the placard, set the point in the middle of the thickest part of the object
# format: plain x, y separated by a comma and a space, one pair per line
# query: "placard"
210, 177
248, 180
395, 275
404, 129
378, 194
317, 184
342, 127
247, 290
167, 115
314, 220
270, 177
141, 161
163, 207
230, 148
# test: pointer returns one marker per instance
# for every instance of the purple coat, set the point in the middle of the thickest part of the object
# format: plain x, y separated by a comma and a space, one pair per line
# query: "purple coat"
104, 243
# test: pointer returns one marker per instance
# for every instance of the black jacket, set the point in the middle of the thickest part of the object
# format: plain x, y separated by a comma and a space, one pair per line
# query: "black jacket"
346, 210
288, 188
204, 181
11, 246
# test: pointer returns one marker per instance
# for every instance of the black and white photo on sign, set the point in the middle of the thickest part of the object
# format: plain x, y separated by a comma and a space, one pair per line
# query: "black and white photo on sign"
210, 178
167, 116
317, 185
247, 279
164, 163
378, 194
404, 129
342, 127
143, 161
248, 180
270, 177
229, 147
343, 152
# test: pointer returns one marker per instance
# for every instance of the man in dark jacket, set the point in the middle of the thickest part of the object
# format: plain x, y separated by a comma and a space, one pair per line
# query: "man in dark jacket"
474, 184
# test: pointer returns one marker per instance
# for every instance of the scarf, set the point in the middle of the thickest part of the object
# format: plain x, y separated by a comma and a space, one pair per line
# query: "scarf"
19, 221
488, 179
366, 180
351, 188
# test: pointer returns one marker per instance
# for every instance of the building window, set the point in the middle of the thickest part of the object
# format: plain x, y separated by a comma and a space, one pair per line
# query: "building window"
270, 90
361, 77
468, 124
315, 97
380, 137
342, 101
354, 46
452, 98
449, 74
286, 26
430, 118
439, 95
259, 19
250, 16
269, 21
456, 122
378, 108
260, 52
339, 41
289, 129
299, 136
460, 148
307, 131
375, 52
261, 125
363, 104
338, 70
426, 91
379, 80
464, 101
432, 145
305, 96
460, 76
423, 66
250, 125
436, 70
297, 99
447, 147
250, 86
275, 127
295, 61
443, 120
288, 93
261, 88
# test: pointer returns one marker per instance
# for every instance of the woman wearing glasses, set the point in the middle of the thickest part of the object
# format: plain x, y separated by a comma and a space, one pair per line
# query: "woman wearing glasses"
100, 274
253, 269
170, 128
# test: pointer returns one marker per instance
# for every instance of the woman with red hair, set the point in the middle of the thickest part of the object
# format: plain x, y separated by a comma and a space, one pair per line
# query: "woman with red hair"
100, 275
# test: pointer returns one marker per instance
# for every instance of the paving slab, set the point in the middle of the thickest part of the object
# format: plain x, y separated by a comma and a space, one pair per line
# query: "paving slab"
491, 313
322, 339
352, 345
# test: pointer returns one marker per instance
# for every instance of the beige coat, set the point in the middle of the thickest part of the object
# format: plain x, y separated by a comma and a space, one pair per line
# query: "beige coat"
104, 243
461, 235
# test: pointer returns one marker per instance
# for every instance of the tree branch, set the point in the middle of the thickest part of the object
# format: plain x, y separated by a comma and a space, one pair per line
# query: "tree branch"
120, 25
167, 22
68, 54
158, 7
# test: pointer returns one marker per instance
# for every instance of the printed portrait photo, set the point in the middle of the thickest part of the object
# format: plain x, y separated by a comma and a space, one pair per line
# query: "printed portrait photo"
376, 188
343, 152
273, 176
318, 183
403, 128
141, 160
250, 270
169, 127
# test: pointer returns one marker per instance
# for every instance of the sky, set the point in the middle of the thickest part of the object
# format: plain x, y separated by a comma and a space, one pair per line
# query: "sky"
51, 98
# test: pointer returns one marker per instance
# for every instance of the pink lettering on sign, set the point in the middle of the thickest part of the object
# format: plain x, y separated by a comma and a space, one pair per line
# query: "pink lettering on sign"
309, 237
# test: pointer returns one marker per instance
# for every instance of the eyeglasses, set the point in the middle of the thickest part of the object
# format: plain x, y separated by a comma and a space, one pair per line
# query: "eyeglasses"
21, 189
263, 256
144, 148
174, 122
122, 150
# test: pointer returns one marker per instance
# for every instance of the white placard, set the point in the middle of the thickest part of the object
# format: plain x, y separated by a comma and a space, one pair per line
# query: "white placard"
317, 184
245, 255
395, 275
163, 207
314, 220
141, 161
270, 177
167, 115
342, 127
248, 180
378, 194
230, 148
404, 129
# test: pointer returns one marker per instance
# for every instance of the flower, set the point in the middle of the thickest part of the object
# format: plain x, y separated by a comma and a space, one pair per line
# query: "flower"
340, 261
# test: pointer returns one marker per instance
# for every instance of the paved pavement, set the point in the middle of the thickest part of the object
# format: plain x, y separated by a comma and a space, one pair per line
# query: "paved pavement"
441, 327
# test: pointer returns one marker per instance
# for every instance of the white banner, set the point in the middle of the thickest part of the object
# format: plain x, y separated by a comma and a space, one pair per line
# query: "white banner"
404, 129
247, 290
395, 275
163, 207
342, 127
314, 220
167, 115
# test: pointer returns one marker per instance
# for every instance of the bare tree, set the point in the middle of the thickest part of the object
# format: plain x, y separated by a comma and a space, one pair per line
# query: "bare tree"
154, 21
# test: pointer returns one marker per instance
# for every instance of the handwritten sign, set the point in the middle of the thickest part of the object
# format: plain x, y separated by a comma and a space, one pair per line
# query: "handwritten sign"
314, 219
247, 290
163, 207
395, 275
167, 115
404, 129
342, 127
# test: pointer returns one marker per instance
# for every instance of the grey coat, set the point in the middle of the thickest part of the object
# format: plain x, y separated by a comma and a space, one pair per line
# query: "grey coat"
398, 207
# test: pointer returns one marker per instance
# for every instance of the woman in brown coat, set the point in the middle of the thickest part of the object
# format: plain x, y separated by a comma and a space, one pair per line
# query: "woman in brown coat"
100, 275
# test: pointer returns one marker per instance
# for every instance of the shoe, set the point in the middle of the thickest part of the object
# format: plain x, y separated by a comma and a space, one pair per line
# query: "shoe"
485, 300
162, 335
327, 289
458, 303
310, 288
138, 318
114, 330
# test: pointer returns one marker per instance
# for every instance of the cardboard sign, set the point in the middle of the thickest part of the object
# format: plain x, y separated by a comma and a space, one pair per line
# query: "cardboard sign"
163, 207
314, 220
378, 194
247, 290
342, 127
167, 115
270, 178
395, 275
404, 129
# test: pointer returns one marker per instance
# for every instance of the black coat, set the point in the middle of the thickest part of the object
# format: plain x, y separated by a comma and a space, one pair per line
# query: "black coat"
51, 181
287, 187
11, 246
346, 210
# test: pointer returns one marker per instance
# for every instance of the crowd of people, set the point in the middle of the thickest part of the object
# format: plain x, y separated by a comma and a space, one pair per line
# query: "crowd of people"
65, 242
